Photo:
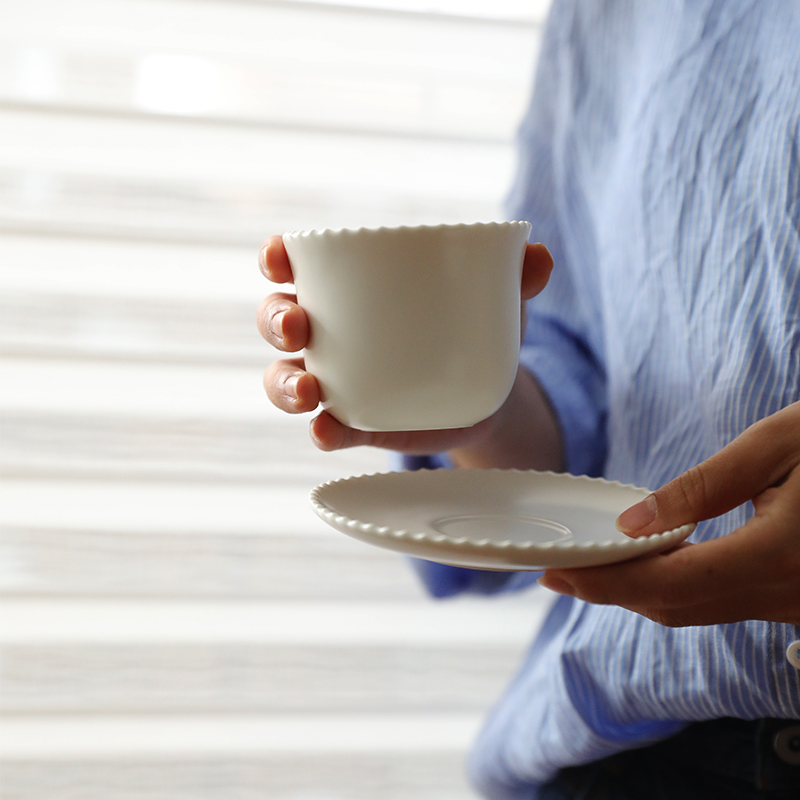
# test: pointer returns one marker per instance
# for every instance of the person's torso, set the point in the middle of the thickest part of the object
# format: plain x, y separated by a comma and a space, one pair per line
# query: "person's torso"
681, 154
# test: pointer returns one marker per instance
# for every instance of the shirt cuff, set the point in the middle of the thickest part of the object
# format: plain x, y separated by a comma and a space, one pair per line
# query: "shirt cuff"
575, 386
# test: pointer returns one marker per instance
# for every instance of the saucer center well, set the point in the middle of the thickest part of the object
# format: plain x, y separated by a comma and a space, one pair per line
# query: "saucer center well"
502, 527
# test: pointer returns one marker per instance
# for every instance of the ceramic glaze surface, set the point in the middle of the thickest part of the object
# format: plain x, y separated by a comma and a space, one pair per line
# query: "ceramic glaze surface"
491, 519
412, 328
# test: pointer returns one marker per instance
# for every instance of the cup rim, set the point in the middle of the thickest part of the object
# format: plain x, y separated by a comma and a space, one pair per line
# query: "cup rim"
391, 229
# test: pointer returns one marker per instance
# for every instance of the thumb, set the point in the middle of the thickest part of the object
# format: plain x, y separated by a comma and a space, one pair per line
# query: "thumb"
757, 459
537, 264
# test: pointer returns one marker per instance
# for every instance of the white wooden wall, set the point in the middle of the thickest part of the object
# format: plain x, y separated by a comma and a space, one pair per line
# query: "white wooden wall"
174, 621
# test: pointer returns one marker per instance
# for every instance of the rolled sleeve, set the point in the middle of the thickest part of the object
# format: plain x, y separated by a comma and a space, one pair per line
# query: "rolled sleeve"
575, 385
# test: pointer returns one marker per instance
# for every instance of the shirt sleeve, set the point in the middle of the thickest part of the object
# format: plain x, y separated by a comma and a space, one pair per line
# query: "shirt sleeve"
563, 342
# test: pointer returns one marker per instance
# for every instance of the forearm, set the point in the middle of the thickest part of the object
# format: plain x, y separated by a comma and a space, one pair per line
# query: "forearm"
524, 434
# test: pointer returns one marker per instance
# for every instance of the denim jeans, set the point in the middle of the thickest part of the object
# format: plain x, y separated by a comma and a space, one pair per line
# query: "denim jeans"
726, 759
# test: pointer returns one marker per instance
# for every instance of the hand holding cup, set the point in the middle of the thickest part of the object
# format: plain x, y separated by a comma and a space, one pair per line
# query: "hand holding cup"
411, 334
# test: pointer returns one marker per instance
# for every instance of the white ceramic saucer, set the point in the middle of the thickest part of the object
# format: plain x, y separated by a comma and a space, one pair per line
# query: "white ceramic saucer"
490, 519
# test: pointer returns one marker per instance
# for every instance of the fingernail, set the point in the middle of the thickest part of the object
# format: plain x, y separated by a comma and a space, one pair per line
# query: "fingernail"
326, 434
639, 516
290, 387
556, 585
276, 323
262, 260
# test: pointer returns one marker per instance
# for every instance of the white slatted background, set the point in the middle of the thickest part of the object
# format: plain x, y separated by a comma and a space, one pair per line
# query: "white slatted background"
174, 621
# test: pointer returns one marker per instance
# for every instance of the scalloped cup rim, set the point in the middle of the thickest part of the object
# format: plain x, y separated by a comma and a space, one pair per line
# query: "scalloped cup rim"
390, 229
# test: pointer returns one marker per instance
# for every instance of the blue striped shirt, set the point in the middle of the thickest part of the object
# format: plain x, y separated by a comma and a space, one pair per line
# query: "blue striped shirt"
660, 163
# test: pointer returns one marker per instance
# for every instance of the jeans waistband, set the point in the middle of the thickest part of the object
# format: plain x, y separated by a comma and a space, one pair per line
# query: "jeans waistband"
763, 752
712, 760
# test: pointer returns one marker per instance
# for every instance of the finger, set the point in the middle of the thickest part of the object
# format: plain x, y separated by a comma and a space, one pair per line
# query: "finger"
781, 501
750, 574
290, 388
273, 261
734, 605
328, 433
687, 576
767, 603
751, 463
283, 323
537, 265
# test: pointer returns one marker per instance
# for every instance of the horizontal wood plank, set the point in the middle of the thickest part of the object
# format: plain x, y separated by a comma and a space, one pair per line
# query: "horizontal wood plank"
253, 679
151, 448
78, 299
66, 173
224, 158
161, 507
69, 326
133, 270
48, 203
502, 622
141, 390
310, 566
273, 64
423, 775
199, 735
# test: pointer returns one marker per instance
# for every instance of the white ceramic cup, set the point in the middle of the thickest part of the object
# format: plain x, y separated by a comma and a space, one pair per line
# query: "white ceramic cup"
411, 328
